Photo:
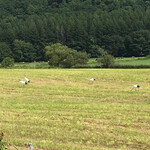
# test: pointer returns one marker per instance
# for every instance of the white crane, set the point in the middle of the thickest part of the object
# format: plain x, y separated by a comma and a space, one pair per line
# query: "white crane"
136, 86
30, 146
27, 79
23, 82
92, 79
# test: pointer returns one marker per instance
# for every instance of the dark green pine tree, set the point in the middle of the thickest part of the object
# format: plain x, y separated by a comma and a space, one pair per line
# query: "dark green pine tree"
24, 51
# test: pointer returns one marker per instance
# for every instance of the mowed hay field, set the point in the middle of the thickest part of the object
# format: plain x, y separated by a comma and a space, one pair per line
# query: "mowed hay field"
62, 110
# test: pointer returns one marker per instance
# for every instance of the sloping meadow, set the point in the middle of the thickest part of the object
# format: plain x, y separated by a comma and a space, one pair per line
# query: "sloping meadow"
63, 109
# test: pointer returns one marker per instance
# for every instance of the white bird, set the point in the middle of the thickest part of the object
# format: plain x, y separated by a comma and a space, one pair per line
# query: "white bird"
92, 79
136, 86
30, 146
23, 82
27, 79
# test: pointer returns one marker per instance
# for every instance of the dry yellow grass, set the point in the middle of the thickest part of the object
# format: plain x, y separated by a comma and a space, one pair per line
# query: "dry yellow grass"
61, 109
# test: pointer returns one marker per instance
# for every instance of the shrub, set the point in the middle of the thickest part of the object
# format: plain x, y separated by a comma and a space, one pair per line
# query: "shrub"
107, 61
7, 62
68, 62
61, 56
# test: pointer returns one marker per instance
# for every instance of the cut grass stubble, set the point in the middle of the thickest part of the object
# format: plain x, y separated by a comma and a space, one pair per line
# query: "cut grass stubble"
62, 109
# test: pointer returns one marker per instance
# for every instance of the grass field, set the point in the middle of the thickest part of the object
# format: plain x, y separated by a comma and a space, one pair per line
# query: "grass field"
139, 62
135, 61
62, 110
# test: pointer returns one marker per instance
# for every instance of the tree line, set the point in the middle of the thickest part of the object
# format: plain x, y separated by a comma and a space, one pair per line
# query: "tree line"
121, 27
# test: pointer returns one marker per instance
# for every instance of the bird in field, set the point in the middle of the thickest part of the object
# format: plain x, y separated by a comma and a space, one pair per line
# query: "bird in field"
23, 82
30, 146
28, 81
92, 79
136, 86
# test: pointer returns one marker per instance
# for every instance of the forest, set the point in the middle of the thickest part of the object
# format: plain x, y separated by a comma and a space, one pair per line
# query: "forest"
121, 27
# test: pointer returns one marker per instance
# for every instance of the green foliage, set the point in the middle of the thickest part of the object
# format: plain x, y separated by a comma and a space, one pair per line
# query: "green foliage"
132, 62
136, 62
140, 45
5, 51
106, 59
80, 58
68, 62
24, 51
7, 62
115, 45
148, 57
31, 65
95, 51
59, 55
121, 27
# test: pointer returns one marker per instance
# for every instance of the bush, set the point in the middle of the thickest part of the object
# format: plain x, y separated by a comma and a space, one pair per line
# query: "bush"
59, 55
68, 62
107, 61
7, 62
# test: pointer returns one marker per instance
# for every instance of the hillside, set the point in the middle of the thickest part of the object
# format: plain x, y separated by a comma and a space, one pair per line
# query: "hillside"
122, 27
